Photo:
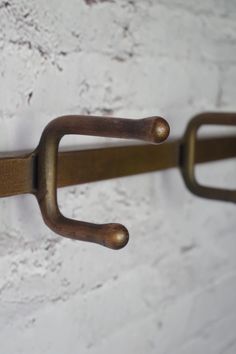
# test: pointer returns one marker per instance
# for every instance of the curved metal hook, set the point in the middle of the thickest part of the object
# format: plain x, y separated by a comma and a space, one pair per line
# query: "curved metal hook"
188, 157
153, 130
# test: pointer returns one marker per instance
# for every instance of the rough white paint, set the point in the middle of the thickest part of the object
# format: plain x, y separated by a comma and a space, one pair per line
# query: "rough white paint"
173, 288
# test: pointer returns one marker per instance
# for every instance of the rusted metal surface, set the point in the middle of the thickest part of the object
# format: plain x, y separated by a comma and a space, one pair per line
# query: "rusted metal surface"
45, 169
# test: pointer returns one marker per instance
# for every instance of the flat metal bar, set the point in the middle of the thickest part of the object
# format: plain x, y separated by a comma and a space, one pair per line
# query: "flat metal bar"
77, 167
17, 173
105, 163
213, 149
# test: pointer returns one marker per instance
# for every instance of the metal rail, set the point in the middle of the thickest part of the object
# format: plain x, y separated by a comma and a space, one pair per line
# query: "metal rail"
44, 170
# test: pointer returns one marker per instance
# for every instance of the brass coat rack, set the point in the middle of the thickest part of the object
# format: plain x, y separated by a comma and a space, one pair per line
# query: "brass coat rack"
45, 169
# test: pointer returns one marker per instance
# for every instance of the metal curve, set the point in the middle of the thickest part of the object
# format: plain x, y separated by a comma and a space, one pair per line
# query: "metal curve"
189, 142
113, 235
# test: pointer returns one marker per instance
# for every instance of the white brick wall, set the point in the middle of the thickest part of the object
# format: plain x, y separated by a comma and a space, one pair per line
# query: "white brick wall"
173, 288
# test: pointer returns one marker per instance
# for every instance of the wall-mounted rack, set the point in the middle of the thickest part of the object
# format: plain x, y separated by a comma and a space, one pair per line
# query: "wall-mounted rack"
45, 169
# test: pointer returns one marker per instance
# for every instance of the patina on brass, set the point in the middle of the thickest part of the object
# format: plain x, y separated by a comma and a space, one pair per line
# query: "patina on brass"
42, 171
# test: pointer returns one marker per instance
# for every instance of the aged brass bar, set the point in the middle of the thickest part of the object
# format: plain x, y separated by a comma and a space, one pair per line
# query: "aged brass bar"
84, 166
17, 173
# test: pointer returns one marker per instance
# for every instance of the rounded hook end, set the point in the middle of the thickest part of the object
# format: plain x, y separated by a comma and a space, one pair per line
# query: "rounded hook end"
160, 130
117, 236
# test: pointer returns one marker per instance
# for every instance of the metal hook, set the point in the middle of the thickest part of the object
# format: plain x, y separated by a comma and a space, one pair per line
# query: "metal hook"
189, 154
153, 130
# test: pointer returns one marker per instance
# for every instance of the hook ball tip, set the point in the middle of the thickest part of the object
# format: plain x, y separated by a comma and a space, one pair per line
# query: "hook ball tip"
118, 237
161, 130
